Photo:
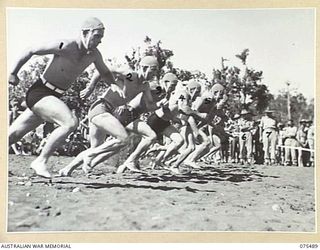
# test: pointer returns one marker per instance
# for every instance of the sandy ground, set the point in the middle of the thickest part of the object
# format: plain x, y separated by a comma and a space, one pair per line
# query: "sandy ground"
228, 197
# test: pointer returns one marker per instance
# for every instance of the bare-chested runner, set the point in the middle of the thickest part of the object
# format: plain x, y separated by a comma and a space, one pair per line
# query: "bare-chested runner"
205, 103
70, 59
106, 116
175, 103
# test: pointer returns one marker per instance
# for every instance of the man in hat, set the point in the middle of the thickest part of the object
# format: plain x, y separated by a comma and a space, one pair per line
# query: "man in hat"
281, 137
302, 140
70, 59
268, 136
245, 137
310, 139
291, 143
233, 129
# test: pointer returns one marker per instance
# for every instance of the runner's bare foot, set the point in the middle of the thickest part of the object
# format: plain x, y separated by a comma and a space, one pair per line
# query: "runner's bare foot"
121, 169
192, 164
65, 172
130, 165
87, 159
175, 170
40, 168
86, 168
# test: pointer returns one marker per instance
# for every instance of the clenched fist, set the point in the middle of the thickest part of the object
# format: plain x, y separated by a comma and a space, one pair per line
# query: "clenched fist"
13, 79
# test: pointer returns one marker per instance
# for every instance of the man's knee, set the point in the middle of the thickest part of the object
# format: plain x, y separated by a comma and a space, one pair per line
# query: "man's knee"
190, 149
124, 138
71, 124
179, 142
206, 143
152, 136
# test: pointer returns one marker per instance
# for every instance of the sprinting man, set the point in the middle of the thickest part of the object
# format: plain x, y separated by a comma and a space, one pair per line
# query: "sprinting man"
106, 115
206, 105
70, 59
175, 103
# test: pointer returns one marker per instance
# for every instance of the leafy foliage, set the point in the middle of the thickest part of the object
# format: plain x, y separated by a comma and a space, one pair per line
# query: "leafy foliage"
244, 89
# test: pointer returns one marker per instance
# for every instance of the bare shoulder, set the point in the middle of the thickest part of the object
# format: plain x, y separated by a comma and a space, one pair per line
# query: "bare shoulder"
57, 47
97, 54
65, 44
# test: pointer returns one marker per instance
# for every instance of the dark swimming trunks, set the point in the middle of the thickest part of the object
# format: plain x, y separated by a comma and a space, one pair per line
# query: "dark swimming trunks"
126, 115
37, 91
157, 124
99, 107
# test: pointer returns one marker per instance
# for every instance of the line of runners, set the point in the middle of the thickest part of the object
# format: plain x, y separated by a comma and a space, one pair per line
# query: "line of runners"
180, 113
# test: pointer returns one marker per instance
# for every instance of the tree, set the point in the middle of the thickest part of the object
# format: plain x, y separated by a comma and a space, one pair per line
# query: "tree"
244, 92
150, 49
300, 108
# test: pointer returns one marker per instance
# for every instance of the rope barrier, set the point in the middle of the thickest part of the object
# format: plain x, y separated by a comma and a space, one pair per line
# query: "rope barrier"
299, 148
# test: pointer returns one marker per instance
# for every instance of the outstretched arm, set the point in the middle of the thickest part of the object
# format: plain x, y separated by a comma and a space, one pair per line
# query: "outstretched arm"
103, 70
151, 105
46, 49
102, 73
91, 85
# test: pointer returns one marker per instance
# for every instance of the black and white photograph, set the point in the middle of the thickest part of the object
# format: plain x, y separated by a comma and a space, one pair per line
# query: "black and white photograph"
161, 120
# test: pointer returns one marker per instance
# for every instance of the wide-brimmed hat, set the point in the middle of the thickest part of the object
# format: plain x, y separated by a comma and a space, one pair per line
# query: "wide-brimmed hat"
245, 112
236, 116
268, 110
303, 121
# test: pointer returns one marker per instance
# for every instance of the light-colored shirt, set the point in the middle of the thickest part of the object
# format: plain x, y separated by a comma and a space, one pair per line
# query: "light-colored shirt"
268, 122
245, 125
290, 131
310, 134
302, 135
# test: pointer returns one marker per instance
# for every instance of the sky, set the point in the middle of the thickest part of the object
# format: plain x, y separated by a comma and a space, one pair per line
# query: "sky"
281, 42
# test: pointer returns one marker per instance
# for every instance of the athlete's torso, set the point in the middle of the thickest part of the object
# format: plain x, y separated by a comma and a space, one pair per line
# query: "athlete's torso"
63, 69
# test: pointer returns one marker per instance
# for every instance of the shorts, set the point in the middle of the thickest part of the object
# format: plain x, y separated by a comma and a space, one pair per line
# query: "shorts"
157, 124
37, 91
125, 115
99, 107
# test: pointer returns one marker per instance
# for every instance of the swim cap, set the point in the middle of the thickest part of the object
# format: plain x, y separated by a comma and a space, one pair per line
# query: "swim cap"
149, 61
217, 87
193, 84
92, 23
170, 77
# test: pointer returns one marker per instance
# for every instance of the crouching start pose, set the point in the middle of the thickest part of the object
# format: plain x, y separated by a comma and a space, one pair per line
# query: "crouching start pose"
113, 114
70, 59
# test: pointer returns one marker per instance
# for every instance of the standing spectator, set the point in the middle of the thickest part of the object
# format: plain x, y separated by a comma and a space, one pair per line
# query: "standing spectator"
310, 139
233, 129
268, 136
245, 137
257, 145
302, 140
281, 137
290, 133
